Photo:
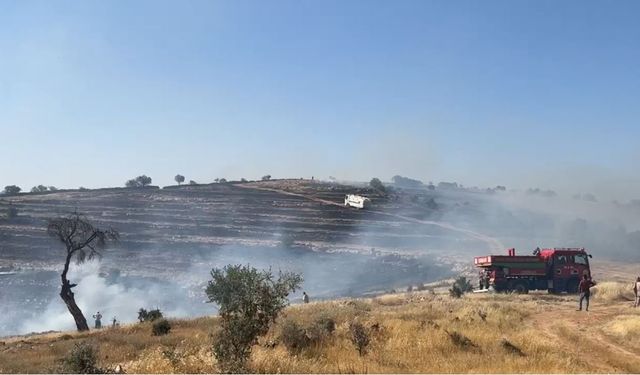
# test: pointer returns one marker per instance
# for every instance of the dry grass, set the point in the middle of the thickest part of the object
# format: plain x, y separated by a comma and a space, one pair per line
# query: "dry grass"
412, 332
626, 327
613, 291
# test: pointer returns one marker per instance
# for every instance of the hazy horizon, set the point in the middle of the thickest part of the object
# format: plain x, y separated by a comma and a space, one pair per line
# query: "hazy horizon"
528, 94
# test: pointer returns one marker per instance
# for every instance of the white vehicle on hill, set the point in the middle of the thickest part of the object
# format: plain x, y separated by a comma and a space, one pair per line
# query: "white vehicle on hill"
357, 201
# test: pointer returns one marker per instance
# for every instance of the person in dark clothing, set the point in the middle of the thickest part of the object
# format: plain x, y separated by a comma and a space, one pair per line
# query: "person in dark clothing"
585, 292
305, 297
98, 318
636, 291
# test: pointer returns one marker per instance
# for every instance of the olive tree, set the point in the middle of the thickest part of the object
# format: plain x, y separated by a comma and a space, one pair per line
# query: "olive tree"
140, 181
179, 179
376, 184
249, 301
82, 242
12, 190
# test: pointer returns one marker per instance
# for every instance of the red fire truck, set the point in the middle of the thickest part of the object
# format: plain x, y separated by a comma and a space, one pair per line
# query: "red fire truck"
556, 270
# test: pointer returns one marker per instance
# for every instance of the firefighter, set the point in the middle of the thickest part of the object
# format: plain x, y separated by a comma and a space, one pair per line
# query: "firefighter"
585, 292
305, 297
636, 289
98, 318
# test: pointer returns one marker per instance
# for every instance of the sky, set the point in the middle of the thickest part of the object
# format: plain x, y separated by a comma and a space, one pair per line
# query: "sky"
516, 93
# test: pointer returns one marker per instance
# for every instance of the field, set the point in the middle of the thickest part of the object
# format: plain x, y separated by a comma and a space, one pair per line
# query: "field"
410, 332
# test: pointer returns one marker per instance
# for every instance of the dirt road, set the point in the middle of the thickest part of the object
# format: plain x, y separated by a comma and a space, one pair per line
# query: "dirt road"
492, 243
586, 334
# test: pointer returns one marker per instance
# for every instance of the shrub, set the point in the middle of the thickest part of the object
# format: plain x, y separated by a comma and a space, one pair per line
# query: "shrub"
455, 291
460, 286
510, 348
161, 327
82, 359
149, 316
359, 337
460, 340
249, 301
294, 337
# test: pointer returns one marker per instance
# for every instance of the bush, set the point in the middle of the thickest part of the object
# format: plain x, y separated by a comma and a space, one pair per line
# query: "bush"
161, 327
455, 291
149, 316
82, 359
460, 340
266, 177
249, 301
359, 337
460, 287
294, 337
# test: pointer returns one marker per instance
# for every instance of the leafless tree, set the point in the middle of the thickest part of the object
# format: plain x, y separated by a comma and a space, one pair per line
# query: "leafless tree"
83, 242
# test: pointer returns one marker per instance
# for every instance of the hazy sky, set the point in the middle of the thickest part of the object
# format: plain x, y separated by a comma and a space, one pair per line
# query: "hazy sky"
517, 93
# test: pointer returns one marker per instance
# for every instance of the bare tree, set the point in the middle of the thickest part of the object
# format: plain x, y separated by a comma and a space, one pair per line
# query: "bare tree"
83, 242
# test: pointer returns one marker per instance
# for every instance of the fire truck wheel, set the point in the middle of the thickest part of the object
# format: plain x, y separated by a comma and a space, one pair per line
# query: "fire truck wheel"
520, 288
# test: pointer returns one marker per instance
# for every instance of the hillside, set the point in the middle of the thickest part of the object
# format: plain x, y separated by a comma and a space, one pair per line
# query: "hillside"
172, 237
411, 332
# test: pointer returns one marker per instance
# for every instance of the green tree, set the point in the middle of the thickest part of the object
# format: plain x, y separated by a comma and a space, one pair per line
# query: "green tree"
140, 181
39, 189
376, 184
12, 190
249, 302
179, 179
266, 177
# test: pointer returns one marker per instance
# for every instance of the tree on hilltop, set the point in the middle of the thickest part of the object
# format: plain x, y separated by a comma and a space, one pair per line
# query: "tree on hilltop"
140, 181
179, 179
12, 190
376, 184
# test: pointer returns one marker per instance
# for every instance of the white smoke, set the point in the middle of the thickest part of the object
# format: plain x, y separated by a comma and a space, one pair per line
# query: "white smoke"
94, 293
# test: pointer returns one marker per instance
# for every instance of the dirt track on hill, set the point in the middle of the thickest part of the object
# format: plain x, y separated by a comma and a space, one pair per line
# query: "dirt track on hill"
492, 243
584, 334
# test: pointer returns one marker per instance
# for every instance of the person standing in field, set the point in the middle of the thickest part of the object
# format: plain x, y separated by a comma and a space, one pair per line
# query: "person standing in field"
585, 291
98, 318
636, 289
305, 297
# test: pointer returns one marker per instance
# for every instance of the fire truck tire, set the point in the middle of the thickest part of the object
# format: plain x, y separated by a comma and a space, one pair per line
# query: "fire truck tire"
520, 288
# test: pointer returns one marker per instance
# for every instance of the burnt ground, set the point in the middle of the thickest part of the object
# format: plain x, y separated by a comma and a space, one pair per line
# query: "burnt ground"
173, 236
202, 217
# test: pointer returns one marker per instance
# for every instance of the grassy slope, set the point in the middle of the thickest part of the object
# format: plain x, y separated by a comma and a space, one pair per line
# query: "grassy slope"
413, 338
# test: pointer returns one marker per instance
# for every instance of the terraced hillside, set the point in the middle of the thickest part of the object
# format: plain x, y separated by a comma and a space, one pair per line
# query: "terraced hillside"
220, 214
172, 237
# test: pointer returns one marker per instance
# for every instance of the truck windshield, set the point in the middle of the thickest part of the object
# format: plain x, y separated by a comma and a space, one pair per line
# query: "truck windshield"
580, 259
